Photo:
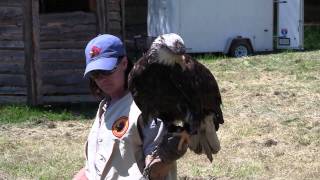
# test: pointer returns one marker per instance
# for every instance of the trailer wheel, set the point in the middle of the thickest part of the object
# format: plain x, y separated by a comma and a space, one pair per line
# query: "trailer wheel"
240, 48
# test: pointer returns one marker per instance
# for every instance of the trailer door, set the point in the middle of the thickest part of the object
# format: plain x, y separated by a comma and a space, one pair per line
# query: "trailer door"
290, 24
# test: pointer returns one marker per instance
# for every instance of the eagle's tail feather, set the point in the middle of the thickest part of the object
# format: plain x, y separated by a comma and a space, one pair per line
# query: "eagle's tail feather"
195, 144
211, 134
206, 140
206, 148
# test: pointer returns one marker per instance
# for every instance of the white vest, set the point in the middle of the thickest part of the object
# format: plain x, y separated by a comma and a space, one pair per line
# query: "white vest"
114, 148
112, 151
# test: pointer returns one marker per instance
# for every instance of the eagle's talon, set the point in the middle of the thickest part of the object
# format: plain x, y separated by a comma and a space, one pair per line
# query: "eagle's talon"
184, 139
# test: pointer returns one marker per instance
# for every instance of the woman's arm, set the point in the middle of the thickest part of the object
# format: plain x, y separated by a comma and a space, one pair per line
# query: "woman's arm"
81, 175
160, 150
158, 169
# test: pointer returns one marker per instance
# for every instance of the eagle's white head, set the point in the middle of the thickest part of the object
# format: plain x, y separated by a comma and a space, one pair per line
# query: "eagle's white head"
168, 49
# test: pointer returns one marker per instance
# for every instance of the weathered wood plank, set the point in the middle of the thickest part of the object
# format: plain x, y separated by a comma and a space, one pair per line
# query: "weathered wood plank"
74, 44
115, 25
65, 90
67, 65
11, 15
10, 90
69, 19
115, 16
11, 3
62, 55
67, 33
32, 47
116, 33
13, 80
64, 77
7, 44
13, 99
59, 29
114, 5
12, 68
12, 55
69, 99
68, 36
11, 32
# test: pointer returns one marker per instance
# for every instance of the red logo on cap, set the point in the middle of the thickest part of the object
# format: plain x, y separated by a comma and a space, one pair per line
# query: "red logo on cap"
95, 51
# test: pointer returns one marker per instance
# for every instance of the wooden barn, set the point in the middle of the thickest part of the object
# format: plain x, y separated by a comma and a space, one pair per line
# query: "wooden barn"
42, 45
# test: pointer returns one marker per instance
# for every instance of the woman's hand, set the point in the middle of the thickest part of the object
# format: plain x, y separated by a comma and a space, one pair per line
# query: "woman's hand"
158, 169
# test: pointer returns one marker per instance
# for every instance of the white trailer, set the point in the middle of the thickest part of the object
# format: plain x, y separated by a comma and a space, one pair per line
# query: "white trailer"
235, 27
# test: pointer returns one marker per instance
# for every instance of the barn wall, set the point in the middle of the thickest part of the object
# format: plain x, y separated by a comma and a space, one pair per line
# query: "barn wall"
63, 37
13, 86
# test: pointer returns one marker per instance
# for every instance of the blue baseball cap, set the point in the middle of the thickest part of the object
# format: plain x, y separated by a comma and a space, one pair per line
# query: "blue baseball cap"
102, 53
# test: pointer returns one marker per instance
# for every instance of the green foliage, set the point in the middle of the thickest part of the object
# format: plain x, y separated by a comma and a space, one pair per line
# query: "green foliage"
23, 113
311, 37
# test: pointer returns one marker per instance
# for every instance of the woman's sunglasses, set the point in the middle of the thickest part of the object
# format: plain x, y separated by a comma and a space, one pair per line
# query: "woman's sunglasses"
98, 73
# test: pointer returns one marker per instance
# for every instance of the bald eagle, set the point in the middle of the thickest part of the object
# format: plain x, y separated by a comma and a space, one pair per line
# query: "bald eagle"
168, 84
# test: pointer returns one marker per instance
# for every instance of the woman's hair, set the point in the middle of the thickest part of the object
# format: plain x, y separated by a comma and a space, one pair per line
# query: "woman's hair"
97, 92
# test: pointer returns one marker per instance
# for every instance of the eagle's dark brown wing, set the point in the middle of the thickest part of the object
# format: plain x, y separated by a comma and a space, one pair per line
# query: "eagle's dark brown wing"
169, 93
154, 92
201, 88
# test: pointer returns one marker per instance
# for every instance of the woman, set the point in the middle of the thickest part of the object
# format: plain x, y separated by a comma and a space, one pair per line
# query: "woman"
119, 146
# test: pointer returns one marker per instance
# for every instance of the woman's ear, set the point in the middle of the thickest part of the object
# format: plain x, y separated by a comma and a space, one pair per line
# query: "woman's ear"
124, 62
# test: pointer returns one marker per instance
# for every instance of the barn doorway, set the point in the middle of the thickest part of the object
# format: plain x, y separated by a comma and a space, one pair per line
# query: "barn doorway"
60, 6
136, 13
65, 28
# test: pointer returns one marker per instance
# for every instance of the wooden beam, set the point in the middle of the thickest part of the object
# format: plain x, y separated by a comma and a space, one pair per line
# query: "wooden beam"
106, 15
101, 17
31, 38
123, 20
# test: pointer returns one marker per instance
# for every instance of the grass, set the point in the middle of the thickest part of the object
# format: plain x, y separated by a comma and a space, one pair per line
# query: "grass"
41, 153
271, 130
23, 113
266, 98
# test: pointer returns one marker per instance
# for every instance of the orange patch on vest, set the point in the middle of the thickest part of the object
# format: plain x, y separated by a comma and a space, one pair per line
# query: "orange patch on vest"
120, 126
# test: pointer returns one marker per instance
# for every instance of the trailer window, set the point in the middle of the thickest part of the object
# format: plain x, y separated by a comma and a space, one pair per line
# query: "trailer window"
60, 6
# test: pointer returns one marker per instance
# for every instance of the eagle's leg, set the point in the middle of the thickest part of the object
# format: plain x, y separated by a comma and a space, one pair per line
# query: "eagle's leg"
184, 138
